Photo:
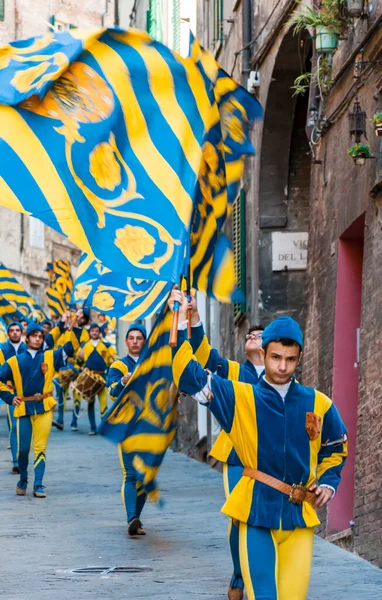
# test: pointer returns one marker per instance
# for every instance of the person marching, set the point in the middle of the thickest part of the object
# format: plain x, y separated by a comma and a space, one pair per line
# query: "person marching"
12, 347
95, 356
31, 374
293, 445
248, 372
133, 495
71, 370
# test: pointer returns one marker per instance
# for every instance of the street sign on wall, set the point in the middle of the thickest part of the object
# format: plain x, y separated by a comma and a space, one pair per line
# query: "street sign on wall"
289, 251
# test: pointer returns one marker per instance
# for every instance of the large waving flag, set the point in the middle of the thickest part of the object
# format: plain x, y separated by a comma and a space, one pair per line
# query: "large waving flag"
101, 135
3, 331
60, 287
143, 418
16, 300
114, 294
224, 150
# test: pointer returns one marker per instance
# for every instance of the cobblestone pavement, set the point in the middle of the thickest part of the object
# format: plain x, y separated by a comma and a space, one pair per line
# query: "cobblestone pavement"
82, 524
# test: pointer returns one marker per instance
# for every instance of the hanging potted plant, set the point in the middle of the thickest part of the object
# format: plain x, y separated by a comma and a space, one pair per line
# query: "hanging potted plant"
354, 8
377, 122
326, 20
321, 75
359, 153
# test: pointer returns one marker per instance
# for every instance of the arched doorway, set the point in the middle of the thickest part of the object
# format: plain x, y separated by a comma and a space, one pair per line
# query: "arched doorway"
285, 187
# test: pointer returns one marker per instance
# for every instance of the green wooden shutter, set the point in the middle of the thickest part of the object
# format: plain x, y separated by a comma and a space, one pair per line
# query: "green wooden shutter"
2, 10
238, 245
155, 20
218, 21
176, 25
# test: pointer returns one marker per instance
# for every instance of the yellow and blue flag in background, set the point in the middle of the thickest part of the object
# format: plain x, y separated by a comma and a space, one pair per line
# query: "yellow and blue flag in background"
60, 287
16, 300
3, 331
101, 135
114, 294
143, 418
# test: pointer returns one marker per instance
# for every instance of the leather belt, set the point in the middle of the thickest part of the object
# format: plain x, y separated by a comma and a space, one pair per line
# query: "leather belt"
297, 492
37, 397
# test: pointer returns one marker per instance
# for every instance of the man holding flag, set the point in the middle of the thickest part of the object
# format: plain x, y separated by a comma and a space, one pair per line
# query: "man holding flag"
132, 491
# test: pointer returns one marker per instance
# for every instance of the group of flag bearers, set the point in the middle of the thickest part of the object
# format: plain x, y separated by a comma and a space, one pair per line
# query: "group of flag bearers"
282, 444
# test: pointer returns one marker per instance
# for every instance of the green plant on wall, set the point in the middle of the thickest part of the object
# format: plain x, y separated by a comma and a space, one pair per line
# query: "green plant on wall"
377, 119
360, 149
327, 14
321, 75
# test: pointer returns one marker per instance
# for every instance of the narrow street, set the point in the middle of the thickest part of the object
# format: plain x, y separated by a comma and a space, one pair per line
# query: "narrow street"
81, 524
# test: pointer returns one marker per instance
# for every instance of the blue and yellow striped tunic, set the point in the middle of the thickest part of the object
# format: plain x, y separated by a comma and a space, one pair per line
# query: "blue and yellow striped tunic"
270, 434
119, 368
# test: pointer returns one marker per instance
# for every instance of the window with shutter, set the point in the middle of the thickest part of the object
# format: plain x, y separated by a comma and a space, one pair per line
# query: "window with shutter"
238, 245
176, 25
2, 9
218, 22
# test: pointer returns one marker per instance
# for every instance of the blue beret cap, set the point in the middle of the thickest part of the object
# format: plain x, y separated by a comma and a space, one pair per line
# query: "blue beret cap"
283, 327
14, 323
34, 327
137, 327
94, 324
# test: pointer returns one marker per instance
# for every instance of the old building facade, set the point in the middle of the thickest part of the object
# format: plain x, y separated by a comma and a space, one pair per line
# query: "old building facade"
26, 244
313, 221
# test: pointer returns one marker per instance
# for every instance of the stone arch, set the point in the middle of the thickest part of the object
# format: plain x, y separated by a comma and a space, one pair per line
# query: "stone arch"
284, 185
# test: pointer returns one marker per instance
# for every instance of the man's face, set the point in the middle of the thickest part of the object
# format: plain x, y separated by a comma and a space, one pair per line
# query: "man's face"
14, 333
35, 340
135, 342
80, 317
94, 333
280, 362
253, 341
25, 326
46, 327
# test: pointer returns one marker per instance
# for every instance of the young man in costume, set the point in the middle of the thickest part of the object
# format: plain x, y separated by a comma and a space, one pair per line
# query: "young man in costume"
96, 355
31, 375
292, 443
71, 370
249, 372
12, 347
133, 495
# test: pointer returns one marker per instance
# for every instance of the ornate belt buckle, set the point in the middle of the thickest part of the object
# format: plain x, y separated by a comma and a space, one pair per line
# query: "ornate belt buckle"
297, 493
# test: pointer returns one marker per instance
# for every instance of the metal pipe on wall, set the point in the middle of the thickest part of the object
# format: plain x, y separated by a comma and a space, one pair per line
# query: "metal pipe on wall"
247, 16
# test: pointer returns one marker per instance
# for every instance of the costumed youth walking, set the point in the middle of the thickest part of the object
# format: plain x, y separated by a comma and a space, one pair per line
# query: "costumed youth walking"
293, 445
31, 377
133, 494
249, 372
12, 347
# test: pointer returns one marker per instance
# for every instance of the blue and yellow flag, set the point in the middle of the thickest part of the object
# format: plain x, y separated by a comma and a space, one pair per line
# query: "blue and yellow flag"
9, 312
224, 150
14, 295
60, 287
143, 418
114, 294
3, 331
101, 135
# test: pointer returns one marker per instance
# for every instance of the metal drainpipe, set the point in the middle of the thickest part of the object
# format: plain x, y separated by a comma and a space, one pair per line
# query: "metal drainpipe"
116, 13
247, 36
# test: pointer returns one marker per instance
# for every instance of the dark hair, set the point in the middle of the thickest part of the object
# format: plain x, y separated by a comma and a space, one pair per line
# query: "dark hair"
29, 333
255, 328
284, 342
86, 318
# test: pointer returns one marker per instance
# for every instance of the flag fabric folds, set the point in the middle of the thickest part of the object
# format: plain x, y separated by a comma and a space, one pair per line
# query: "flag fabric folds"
60, 287
143, 418
101, 139
15, 300
114, 294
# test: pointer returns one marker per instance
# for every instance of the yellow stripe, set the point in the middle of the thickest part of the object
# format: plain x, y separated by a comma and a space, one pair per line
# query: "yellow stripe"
136, 313
9, 199
222, 447
48, 377
164, 326
203, 276
157, 168
225, 278
42, 457
160, 357
234, 170
180, 361
2, 358
86, 35
203, 352
16, 133
160, 81
17, 379
121, 366
225, 482
223, 86
233, 370
244, 562
155, 443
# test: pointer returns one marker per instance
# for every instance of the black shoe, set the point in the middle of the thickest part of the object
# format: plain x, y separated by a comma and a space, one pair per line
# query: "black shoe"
60, 426
135, 527
16, 470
